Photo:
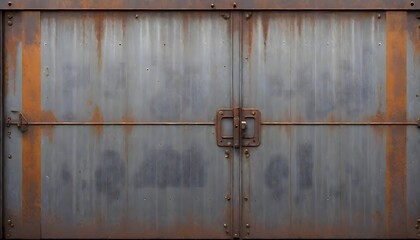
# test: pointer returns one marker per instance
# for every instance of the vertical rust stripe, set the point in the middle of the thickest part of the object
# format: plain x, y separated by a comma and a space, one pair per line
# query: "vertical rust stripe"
396, 110
31, 106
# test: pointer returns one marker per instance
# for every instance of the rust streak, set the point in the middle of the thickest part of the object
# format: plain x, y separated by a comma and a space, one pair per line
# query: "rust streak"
31, 142
99, 32
396, 110
97, 117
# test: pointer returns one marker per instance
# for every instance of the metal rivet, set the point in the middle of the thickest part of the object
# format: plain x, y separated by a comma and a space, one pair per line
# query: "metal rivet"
212, 5
412, 3
9, 221
229, 143
234, 4
227, 197
235, 234
9, 16
137, 16
246, 198
225, 225
247, 225
10, 3
221, 112
227, 152
246, 58
253, 112
10, 156
12, 225
10, 23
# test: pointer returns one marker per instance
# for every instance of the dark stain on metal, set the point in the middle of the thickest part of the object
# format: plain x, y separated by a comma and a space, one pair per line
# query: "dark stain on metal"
305, 161
167, 167
110, 175
65, 174
276, 173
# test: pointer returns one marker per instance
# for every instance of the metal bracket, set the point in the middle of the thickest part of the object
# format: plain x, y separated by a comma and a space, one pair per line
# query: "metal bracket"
21, 124
240, 118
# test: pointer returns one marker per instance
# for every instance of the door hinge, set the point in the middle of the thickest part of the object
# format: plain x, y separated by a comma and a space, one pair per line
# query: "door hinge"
241, 119
21, 123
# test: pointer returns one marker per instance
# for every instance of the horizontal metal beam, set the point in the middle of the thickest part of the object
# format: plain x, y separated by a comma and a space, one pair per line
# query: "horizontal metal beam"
340, 123
209, 4
209, 123
109, 123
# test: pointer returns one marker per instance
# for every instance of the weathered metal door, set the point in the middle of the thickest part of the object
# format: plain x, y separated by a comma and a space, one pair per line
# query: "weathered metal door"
228, 121
120, 135
339, 99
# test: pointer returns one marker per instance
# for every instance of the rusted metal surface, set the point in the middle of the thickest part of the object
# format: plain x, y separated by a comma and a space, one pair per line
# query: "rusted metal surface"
109, 166
329, 166
209, 5
396, 110
119, 110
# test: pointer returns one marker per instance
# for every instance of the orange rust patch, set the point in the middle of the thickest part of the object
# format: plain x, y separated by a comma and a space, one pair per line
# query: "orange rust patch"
48, 116
31, 141
396, 110
97, 117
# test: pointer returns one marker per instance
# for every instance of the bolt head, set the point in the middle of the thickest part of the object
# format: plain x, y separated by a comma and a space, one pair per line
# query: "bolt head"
212, 5
10, 23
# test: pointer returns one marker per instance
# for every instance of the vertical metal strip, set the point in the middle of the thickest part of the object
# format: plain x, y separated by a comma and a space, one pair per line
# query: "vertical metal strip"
396, 110
31, 105
1, 122
236, 88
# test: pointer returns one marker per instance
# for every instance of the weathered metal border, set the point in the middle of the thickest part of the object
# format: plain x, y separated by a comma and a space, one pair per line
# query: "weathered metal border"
209, 4
1, 122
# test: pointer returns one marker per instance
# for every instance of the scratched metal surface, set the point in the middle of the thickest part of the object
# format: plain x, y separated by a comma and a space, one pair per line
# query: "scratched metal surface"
322, 181
160, 66
125, 181
142, 182
413, 112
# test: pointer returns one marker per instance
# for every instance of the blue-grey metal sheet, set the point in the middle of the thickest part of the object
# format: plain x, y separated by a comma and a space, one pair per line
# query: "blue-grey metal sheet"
323, 181
147, 182
147, 66
143, 181
315, 66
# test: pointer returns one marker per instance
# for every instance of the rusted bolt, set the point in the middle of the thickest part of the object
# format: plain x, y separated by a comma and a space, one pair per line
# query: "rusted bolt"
10, 4
10, 23
379, 16
9, 156
212, 5
234, 5
412, 3
225, 225
247, 225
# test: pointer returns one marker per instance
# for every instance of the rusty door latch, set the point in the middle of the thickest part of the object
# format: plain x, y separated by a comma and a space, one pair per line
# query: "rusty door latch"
241, 119
21, 123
